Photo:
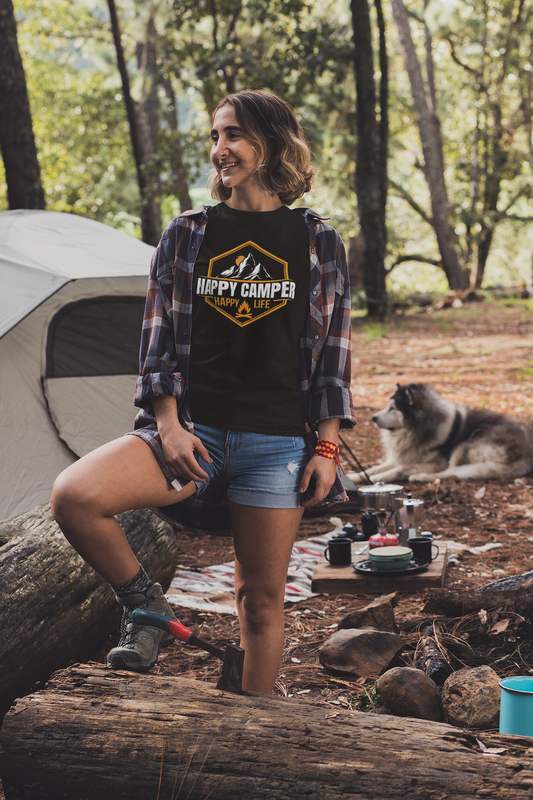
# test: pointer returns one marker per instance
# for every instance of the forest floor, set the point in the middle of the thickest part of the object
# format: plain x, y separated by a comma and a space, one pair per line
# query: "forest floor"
480, 355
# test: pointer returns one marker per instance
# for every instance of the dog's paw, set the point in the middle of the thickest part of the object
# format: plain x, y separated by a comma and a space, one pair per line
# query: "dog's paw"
421, 476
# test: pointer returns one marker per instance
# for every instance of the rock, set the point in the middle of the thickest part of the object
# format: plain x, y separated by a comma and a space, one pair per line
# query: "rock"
409, 692
471, 698
378, 614
365, 653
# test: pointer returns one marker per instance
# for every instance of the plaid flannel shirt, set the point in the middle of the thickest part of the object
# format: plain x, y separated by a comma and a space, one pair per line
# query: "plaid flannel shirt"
324, 352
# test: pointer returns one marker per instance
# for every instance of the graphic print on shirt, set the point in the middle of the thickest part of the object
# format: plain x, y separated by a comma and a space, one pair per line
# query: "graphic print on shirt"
246, 283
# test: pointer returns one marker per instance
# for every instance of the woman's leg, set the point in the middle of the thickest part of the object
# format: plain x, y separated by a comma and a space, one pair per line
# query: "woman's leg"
263, 538
119, 476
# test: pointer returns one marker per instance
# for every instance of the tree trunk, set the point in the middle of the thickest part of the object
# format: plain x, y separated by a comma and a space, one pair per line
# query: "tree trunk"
150, 220
56, 607
180, 185
429, 128
17, 143
95, 734
370, 183
148, 115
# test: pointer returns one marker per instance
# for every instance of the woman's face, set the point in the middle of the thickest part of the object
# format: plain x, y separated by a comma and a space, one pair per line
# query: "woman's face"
233, 156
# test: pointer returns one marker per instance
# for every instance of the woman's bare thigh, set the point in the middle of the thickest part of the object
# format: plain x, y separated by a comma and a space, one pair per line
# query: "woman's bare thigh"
119, 476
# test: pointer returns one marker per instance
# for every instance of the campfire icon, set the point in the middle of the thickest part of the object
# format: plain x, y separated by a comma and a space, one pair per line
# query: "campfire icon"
244, 311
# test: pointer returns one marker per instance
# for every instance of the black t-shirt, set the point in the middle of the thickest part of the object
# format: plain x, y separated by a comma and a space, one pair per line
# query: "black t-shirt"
250, 300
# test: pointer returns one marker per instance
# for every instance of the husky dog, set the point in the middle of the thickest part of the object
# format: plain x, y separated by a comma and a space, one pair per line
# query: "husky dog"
425, 437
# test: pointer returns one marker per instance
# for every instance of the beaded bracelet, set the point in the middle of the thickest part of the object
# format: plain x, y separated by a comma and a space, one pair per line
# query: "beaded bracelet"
328, 450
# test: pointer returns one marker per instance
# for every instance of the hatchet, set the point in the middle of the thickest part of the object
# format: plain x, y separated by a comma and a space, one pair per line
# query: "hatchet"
231, 655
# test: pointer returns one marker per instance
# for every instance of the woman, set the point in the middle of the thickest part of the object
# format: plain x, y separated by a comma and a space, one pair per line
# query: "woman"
245, 353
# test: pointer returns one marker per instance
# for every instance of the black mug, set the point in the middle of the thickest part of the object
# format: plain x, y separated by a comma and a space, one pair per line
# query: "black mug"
340, 552
422, 547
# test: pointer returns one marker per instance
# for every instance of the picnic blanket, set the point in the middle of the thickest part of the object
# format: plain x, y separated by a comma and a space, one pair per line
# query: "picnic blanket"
212, 588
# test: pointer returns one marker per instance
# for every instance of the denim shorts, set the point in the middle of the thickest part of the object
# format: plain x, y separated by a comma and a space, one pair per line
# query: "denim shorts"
258, 469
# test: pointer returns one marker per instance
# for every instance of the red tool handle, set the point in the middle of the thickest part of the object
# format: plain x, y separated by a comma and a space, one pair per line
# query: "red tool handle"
179, 631
141, 617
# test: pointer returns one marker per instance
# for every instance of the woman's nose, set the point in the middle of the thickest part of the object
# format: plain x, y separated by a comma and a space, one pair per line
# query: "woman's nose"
218, 148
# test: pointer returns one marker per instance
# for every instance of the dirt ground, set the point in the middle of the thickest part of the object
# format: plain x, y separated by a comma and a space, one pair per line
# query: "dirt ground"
480, 355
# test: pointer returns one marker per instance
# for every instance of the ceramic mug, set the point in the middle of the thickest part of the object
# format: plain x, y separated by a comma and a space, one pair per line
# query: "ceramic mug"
340, 552
422, 547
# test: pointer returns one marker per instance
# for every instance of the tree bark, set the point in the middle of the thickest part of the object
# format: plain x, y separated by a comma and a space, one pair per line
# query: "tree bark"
56, 608
371, 164
150, 221
148, 115
515, 593
94, 734
17, 143
429, 128
180, 185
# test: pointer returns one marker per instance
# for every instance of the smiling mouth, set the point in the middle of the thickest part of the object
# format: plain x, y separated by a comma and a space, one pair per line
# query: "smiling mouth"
224, 167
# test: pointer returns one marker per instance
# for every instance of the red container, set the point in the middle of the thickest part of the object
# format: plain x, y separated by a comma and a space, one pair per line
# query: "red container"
382, 540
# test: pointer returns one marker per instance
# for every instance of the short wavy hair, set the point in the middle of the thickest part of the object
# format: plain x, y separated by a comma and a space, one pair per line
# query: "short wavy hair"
284, 156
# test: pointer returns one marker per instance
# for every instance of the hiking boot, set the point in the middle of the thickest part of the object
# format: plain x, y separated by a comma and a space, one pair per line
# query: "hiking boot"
139, 645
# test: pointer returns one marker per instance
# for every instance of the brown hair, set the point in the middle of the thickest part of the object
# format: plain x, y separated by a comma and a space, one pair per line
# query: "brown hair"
284, 155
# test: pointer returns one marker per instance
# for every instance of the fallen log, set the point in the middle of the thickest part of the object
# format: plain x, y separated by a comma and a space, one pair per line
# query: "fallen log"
515, 592
55, 609
94, 734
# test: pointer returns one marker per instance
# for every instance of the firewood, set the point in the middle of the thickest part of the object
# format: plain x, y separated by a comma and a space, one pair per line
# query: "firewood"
57, 609
429, 658
516, 595
95, 734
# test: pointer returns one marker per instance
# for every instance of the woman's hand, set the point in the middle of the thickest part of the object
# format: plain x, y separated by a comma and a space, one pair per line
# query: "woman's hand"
323, 470
179, 446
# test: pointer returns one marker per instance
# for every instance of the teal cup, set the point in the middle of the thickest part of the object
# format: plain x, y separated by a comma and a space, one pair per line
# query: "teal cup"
516, 709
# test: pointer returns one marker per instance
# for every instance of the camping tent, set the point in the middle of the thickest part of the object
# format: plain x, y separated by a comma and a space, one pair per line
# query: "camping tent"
71, 303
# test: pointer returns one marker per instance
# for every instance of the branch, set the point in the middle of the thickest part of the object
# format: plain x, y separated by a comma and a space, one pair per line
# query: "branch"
412, 202
414, 257
525, 190
457, 60
516, 218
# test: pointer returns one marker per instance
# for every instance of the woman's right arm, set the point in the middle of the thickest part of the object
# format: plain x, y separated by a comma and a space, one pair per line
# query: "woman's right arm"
178, 444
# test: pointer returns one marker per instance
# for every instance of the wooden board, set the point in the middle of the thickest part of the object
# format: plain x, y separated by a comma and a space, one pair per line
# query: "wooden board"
345, 580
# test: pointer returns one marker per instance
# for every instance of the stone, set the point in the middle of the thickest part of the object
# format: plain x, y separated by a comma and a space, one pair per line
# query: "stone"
378, 614
409, 692
365, 652
471, 698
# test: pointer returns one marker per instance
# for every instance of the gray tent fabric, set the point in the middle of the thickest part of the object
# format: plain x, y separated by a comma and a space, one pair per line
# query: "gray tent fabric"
71, 303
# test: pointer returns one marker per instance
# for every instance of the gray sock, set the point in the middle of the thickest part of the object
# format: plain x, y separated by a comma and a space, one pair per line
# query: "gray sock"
139, 583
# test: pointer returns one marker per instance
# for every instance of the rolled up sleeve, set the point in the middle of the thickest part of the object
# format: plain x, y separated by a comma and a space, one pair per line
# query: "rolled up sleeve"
330, 395
159, 373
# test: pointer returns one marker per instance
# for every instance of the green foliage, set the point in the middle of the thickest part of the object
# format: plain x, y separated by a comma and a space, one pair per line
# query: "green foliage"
374, 331
302, 50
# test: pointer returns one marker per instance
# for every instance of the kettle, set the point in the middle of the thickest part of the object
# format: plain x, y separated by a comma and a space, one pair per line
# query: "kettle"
408, 518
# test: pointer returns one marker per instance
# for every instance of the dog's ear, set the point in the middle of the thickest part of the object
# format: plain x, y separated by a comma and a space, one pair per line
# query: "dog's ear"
409, 396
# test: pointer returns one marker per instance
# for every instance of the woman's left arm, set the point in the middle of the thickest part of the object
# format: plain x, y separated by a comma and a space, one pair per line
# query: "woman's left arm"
320, 471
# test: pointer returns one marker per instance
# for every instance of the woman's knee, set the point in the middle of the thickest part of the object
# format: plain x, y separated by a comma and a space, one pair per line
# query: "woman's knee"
259, 610
70, 497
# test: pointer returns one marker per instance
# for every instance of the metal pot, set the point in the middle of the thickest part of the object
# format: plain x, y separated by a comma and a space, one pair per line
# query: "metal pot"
381, 497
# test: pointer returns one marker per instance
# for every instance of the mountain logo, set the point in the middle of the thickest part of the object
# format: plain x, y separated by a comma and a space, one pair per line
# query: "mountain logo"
246, 283
247, 269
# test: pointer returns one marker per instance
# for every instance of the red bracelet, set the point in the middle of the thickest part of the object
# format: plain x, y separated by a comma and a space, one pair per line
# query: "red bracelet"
328, 450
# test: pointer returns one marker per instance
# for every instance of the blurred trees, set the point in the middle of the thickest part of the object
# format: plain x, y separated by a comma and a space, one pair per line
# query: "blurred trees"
17, 143
372, 150
474, 60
